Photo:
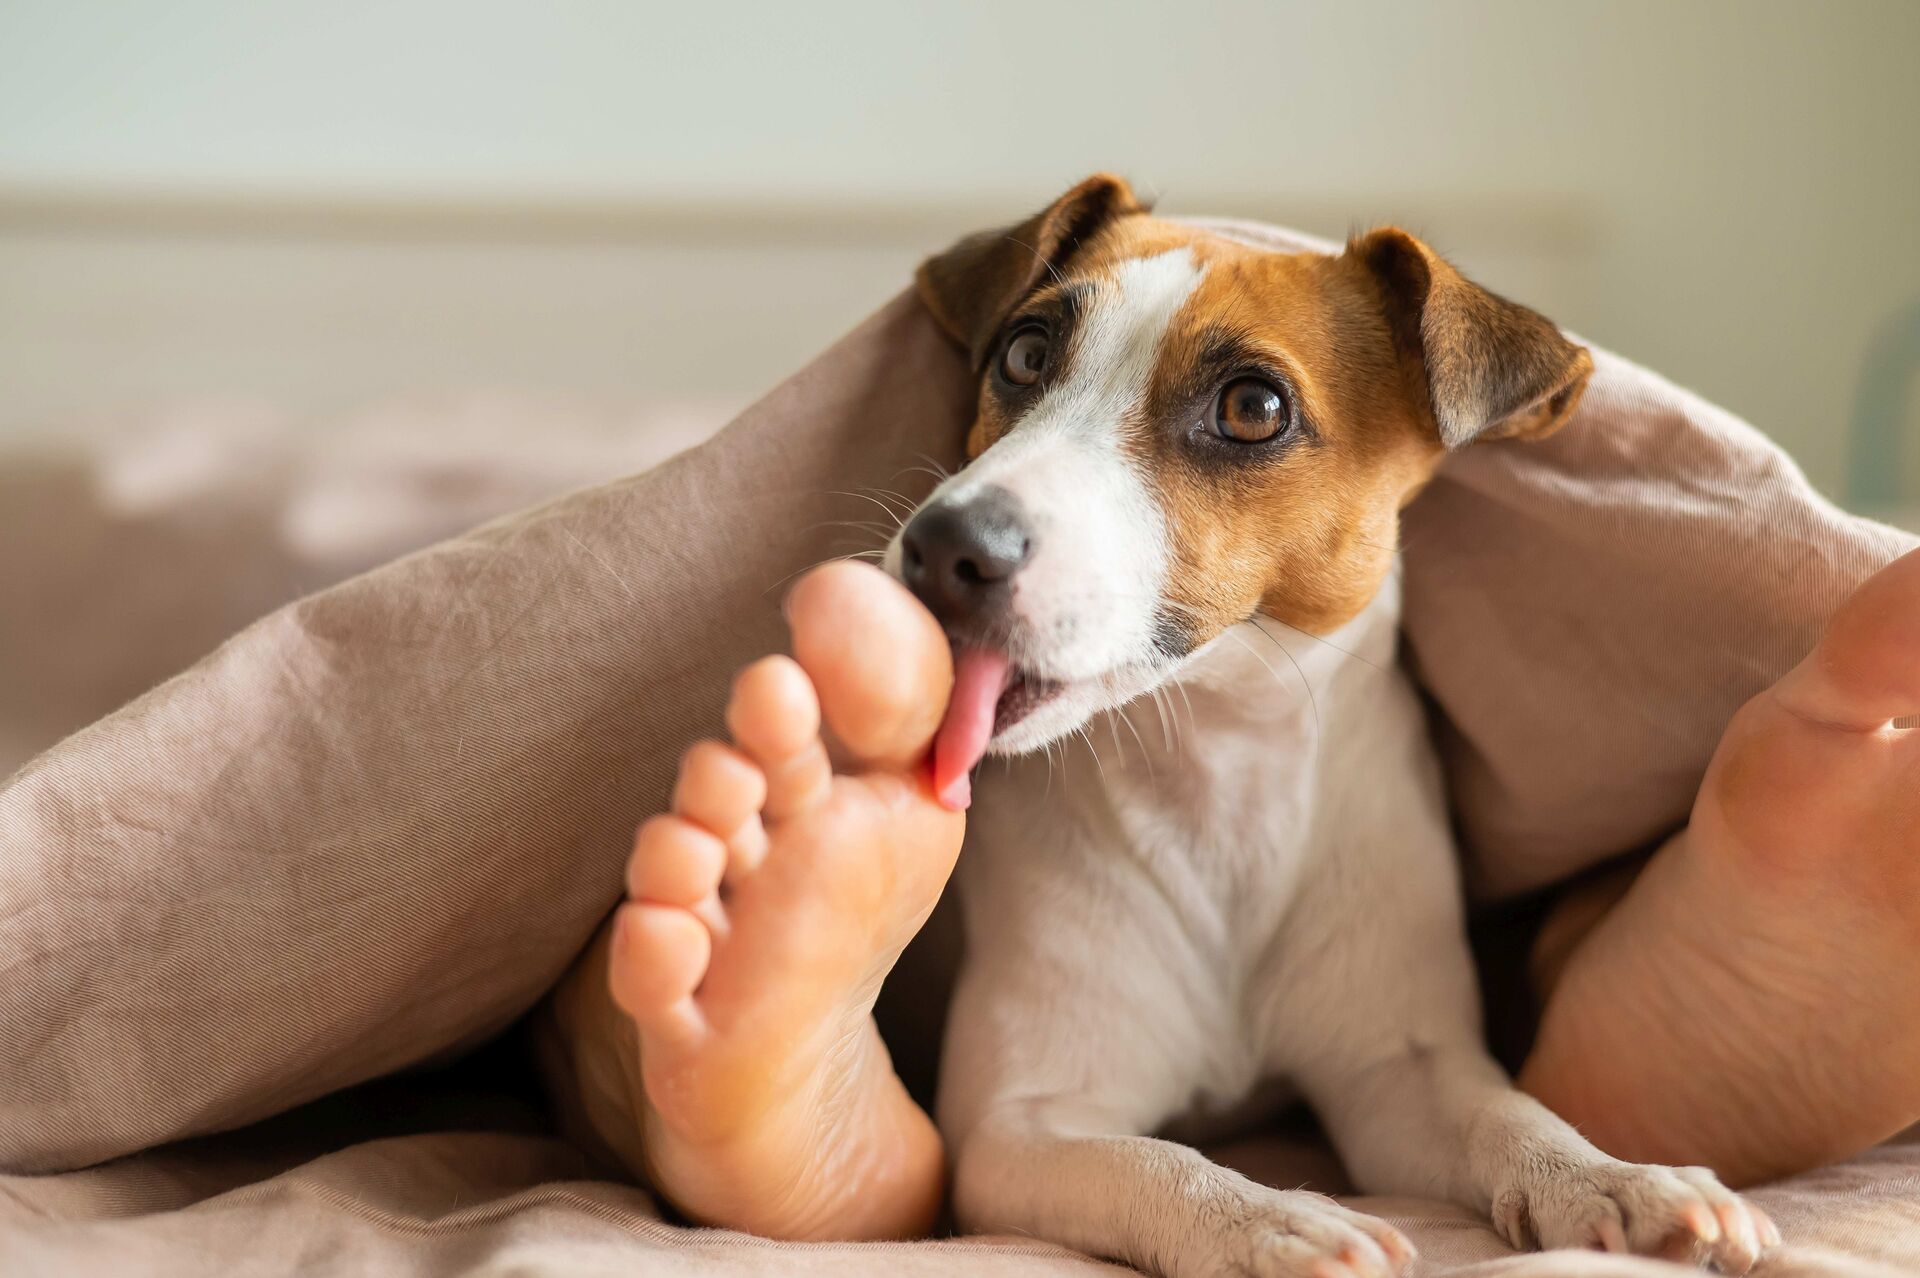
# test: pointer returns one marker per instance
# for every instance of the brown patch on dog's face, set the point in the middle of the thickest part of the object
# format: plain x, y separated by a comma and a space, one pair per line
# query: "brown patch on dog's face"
1302, 527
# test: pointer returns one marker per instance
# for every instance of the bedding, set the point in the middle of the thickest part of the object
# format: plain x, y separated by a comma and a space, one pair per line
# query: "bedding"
366, 833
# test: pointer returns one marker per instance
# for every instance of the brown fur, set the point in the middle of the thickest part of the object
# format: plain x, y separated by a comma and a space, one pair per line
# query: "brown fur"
1391, 355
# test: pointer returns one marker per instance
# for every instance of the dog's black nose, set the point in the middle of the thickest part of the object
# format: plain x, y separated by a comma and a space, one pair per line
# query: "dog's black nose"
960, 557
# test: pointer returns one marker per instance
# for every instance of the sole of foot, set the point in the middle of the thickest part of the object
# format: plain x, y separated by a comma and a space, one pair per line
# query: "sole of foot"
764, 911
1751, 1002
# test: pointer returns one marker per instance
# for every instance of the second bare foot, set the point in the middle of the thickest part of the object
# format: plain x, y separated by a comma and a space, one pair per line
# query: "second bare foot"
1752, 1002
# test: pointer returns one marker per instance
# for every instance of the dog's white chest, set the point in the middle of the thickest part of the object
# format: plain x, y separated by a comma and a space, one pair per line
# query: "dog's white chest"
1177, 840
1218, 798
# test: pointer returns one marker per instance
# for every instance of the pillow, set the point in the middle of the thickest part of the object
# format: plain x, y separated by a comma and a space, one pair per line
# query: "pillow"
373, 828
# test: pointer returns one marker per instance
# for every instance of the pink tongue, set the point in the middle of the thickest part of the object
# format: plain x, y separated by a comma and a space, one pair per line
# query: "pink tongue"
979, 677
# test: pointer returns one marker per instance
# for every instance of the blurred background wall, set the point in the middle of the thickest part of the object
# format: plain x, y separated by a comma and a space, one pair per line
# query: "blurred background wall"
319, 206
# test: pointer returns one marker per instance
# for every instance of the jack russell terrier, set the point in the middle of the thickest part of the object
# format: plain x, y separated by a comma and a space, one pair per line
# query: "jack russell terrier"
1185, 480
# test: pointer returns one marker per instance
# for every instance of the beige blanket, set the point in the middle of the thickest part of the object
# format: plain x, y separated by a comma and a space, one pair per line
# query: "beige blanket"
367, 833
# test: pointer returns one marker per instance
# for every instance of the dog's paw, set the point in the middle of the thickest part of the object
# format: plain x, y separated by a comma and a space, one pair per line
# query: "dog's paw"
1296, 1234
1677, 1213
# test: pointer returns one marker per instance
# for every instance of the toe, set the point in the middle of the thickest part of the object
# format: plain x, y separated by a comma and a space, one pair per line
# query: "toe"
1739, 1247
1742, 1236
1862, 674
1668, 1214
1336, 1240
718, 787
1395, 1245
1335, 1253
1600, 1227
1363, 1255
659, 955
723, 790
880, 661
775, 718
1513, 1222
675, 862
1377, 1248
1329, 1267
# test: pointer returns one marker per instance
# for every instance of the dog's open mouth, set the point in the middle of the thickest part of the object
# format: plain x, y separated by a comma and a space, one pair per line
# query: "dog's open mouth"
990, 695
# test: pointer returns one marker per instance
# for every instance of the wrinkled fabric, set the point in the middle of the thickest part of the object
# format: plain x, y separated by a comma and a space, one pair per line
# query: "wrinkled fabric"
1587, 611
325, 1193
370, 830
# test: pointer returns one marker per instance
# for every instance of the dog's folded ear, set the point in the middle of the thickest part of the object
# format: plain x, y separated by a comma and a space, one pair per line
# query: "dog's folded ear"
973, 286
1494, 369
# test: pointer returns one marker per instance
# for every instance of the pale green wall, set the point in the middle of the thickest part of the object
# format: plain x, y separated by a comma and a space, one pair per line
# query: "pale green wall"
1749, 168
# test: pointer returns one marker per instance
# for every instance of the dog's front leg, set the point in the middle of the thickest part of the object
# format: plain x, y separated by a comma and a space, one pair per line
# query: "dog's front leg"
1384, 1038
1060, 1058
1443, 1120
1054, 1168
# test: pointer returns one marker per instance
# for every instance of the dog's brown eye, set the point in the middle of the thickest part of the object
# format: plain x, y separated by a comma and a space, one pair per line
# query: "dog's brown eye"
1025, 357
1250, 411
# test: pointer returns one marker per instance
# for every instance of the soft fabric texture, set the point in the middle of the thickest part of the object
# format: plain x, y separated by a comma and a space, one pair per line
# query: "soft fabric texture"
182, 523
372, 829
432, 1179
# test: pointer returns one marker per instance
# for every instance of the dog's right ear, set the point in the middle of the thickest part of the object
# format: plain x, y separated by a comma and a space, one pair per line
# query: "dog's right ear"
973, 286
1494, 369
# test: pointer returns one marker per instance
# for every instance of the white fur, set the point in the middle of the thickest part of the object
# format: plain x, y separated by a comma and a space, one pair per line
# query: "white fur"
1239, 882
1087, 599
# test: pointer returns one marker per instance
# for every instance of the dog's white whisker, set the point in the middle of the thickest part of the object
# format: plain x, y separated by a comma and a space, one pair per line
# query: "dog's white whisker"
938, 476
1094, 751
891, 512
888, 497
1160, 708
1305, 683
1257, 618
934, 467
873, 527
1138, 740
803, 568
1187, 699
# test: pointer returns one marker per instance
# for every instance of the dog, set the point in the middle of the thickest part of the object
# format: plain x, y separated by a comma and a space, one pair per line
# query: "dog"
1170, 561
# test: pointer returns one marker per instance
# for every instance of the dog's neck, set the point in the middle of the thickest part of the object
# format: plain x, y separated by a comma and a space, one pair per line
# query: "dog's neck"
1248, 728
1268, 682
1217, 791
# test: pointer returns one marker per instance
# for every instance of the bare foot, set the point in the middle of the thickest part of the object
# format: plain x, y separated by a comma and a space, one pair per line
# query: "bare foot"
1752, 1002
762, 915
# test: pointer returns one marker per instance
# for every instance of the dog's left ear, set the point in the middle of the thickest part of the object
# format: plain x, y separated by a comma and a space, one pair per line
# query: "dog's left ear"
1494, 369
973, 286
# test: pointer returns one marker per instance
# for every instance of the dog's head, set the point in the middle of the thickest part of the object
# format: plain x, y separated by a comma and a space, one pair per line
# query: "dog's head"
1177, 432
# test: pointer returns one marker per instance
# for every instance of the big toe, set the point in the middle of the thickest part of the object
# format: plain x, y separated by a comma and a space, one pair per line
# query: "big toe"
1865, 671
878, 659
